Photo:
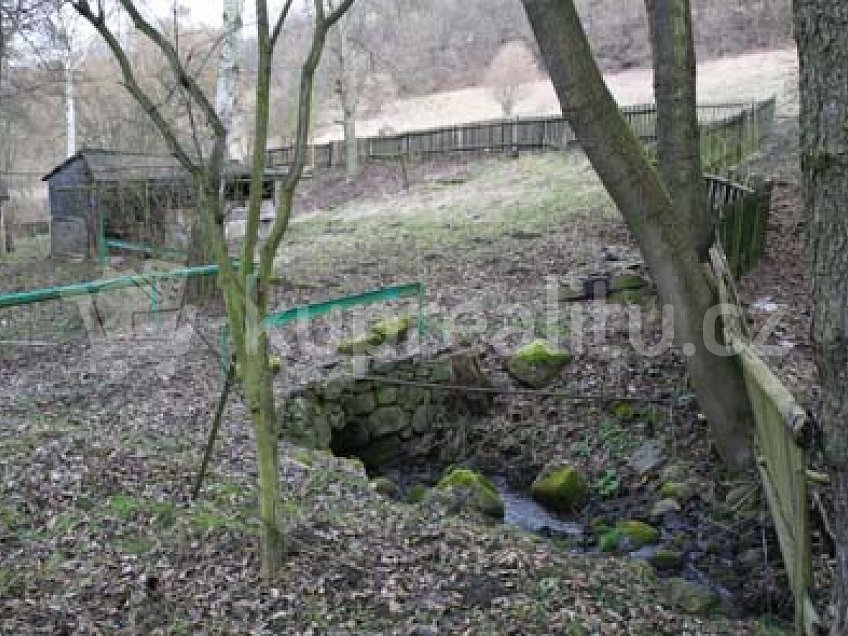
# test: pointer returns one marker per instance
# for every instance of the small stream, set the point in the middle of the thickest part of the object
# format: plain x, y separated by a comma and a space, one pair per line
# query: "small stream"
707, 555
523, 511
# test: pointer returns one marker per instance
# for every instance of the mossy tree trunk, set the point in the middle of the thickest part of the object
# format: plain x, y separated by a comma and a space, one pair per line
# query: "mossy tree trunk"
820, 30
656, 224
678, 134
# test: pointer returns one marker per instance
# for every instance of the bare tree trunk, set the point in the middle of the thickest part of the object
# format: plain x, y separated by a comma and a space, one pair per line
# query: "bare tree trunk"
203, 289
351, 144
664, 240
678, 135
226, 97
820, 28
70, 109
346, 90
2, 231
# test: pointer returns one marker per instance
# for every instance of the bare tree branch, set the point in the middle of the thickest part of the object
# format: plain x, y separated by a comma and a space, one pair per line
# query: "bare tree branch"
179, 70
278, 27
307, 79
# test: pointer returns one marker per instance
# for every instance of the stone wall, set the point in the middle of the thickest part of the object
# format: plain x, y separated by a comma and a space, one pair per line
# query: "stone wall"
390, 411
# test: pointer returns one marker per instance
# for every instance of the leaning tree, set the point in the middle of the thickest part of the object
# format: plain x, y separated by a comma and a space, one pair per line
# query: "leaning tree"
663, 210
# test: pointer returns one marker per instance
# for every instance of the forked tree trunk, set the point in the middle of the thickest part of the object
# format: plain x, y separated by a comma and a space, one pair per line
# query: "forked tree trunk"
820, 30
663, 236
678, 135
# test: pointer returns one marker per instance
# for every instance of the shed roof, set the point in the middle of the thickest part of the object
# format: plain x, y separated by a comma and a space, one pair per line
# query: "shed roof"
119, 165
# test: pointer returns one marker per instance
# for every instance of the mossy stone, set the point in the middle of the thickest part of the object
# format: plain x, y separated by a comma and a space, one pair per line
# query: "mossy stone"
624, 410
608, 541
637, 533
417, 493
537, 364
691, 597
384, 486
441, 371
628, 535
664, 507
564, 489
391, 330
486, 497
627, 297
360, 404
386, 395
386, 420
422, 418
666, 559
363, 345
677, 490
676, 472
627, 281
275, 364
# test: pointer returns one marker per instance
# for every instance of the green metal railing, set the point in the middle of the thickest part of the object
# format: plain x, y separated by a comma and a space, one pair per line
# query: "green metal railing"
308, 312
104, 285
139, 247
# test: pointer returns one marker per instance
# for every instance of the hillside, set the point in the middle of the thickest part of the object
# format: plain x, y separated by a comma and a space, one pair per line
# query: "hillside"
745, 77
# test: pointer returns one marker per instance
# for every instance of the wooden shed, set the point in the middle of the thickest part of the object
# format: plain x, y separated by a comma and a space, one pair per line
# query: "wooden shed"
135, 198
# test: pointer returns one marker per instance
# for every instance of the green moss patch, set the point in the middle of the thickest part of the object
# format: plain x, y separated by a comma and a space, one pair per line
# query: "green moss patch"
628, 535
563, 489
537, 364
485, 493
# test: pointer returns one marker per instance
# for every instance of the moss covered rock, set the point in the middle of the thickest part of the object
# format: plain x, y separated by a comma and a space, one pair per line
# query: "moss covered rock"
678, 490
481, 491
392, 330
627, 297
664, 507
359, 346
386, 420
564, 489
666, 559
384, 486
388, 331
417, 493
691, 597
638, 532
627, 281
537, 364
628, 535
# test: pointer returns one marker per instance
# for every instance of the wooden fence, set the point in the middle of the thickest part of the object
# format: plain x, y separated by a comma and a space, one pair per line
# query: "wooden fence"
741, 213
726, 140
780, 428
729, 130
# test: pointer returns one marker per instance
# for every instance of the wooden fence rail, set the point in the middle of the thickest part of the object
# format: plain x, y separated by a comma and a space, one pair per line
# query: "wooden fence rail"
780, 425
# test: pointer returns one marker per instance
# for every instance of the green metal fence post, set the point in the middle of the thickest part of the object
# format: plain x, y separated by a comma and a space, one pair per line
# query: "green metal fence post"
421, 325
